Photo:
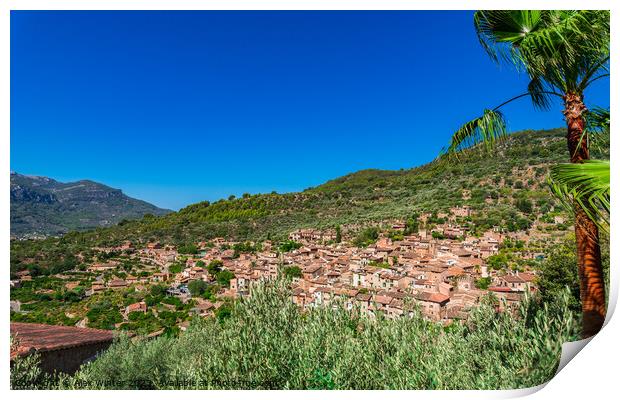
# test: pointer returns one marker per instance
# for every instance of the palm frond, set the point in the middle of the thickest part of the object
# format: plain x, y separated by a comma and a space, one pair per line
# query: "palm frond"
556, 46
585, 184
562, 34
596, 127
567, 46
597, 119
486, 129
500, 32
540, 96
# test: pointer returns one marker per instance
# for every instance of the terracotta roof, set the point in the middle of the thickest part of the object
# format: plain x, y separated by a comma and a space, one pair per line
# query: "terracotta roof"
499, 289
363, 296
432, 297
512, 278
527, 277
135, 307
455, 271
383, 299
461, 252
40, 337
312, 268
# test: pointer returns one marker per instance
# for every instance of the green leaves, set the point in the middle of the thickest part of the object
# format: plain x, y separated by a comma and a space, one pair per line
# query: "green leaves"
502, 32
541, 97
587, 185
562, 49
486, 129
597, 119
546, 43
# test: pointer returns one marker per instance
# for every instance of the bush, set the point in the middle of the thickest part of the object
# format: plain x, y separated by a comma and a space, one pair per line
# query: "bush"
289, 245
292, 271
26, 373
366, 237
197, 287
223, 278
264, 342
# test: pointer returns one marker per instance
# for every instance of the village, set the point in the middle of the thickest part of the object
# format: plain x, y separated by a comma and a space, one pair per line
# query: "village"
441, 272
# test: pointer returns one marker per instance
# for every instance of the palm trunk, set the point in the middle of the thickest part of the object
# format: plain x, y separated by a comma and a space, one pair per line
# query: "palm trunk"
592, 283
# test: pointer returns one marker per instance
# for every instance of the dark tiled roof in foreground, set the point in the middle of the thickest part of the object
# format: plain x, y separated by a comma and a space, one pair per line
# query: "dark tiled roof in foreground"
40, 337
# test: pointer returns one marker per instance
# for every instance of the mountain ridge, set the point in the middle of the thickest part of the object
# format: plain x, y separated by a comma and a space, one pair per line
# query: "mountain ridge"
42, 206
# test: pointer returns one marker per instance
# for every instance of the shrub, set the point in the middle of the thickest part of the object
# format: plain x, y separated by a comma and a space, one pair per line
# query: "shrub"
197, 287
292, 271
366, 237
223, 278
289, 245
264, 342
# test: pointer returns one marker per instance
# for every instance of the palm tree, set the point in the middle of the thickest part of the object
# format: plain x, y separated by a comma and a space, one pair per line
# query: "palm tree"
587, 183
563, 53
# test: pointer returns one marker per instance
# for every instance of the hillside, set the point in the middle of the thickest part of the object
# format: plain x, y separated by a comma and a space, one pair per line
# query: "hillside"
41, 206
509, 184
516, 170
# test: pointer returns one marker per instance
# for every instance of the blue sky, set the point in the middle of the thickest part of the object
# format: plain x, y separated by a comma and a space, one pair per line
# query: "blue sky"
179, 107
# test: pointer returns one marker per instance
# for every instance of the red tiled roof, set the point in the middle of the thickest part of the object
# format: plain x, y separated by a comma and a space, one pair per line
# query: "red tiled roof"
432, 297
40, 337
499, 289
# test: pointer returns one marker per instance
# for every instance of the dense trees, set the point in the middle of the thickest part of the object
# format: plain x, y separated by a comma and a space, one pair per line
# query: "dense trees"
214, 267
188, 248
338, 234
412, 225
559, 272
175, 268
223, 278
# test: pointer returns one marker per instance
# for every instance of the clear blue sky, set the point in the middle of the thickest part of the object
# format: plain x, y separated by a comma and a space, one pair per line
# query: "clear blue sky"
179, 107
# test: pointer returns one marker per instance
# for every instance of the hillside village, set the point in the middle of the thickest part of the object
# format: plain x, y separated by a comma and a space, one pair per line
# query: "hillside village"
443, 271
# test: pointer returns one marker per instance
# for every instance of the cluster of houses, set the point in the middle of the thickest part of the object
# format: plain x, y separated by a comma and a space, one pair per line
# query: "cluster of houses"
436, 276
439, 275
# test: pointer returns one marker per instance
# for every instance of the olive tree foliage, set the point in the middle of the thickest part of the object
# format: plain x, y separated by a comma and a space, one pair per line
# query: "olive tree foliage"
267, 343
25, 371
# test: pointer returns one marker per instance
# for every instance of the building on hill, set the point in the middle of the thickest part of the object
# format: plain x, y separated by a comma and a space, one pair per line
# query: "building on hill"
117, 284
312, 235
136, 307
461, 211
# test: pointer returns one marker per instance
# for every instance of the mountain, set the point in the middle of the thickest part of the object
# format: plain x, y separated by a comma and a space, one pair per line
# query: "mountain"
41, 206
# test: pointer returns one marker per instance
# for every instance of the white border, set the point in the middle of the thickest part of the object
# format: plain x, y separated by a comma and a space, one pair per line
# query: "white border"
592, 374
